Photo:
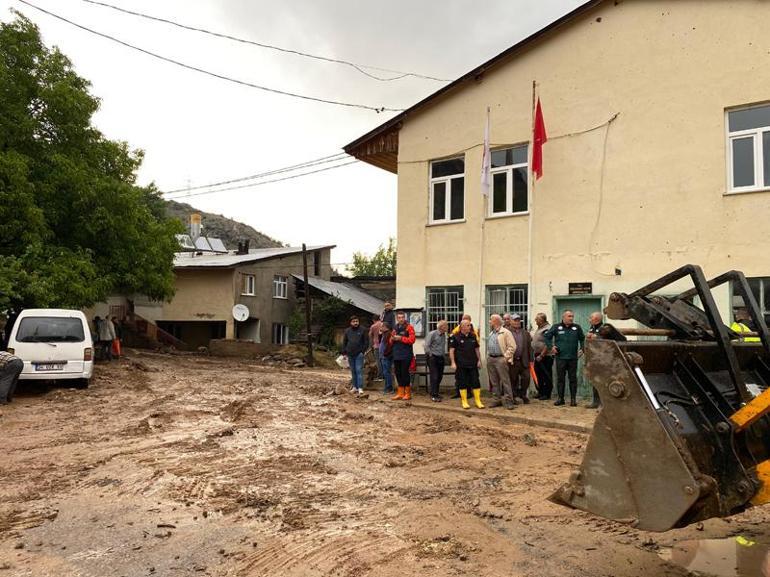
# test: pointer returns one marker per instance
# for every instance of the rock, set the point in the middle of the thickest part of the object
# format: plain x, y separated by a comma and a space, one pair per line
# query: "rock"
529, 439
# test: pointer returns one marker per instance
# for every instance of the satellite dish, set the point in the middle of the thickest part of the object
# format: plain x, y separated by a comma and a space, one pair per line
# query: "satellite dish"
240, 312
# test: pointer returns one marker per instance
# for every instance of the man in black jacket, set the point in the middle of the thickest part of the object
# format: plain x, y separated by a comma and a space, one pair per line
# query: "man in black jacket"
354, 344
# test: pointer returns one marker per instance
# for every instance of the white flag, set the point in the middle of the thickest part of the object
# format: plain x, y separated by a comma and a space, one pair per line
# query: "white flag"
486, 160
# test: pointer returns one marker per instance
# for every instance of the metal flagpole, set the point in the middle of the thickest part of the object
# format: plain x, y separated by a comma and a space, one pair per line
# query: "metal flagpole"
484, 203
531, 209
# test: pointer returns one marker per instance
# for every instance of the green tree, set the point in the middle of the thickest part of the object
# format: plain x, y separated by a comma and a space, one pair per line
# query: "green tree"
383, 263
74, 227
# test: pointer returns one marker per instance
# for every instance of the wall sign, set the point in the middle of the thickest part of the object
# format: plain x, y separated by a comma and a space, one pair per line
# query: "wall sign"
581, 288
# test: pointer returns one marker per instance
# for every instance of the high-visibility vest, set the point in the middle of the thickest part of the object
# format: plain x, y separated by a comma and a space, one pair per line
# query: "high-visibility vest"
741, 328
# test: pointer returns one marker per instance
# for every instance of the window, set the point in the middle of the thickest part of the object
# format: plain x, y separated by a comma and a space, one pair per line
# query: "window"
748, 148
760, 287
317, 263
280, 287
280, 334
50, 330
509, 181
511, 299
444, 303
447, 190
249, 285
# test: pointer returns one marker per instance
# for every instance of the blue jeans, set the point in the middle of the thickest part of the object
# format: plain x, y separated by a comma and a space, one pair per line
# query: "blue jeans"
357, 370
387, 372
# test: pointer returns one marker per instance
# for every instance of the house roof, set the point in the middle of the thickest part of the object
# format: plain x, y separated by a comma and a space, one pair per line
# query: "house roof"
227, 260
346, 292
379, 147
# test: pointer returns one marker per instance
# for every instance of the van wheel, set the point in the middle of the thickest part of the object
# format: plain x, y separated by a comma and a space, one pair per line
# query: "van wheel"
82, 383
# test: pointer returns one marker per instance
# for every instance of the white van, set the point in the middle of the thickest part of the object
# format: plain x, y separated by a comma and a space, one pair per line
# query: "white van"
55, 344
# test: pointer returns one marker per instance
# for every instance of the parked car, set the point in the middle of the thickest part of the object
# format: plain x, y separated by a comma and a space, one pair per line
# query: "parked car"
55, 344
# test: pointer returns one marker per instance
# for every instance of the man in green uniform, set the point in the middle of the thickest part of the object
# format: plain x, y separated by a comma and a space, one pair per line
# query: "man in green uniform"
566, 341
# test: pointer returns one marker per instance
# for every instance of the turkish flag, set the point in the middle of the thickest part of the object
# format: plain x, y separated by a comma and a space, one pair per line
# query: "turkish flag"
539, 138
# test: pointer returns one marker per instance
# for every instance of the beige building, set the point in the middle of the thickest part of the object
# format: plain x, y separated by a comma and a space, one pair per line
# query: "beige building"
658, 155
208, 286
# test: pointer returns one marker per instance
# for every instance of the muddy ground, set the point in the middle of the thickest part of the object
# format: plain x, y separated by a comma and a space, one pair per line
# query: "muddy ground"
176, 466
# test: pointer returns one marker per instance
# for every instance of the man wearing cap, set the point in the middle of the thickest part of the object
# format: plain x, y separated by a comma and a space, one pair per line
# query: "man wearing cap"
543, 358
519, 368
501, 348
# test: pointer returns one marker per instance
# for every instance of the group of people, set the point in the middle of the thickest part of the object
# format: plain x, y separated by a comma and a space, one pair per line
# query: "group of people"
514, 357
107, 336
391, 339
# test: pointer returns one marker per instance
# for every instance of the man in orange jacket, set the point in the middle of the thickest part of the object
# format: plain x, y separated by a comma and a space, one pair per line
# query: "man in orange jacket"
402, 338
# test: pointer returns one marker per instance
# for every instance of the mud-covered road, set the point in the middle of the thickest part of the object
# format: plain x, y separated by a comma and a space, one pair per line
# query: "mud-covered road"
174, 466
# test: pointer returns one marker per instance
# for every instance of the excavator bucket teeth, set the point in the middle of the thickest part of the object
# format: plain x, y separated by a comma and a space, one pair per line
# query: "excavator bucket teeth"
633, 470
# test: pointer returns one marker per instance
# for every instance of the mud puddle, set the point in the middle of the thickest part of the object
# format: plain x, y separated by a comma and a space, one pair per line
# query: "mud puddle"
732, 557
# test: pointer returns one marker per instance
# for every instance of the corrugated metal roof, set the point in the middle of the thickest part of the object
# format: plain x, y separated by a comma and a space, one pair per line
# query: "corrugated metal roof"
214, 260
348, 293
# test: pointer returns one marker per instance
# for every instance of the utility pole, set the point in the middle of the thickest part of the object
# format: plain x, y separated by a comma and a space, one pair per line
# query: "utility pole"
307, 307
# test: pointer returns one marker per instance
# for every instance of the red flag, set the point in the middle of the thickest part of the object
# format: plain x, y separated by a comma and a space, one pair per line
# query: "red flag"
539, 138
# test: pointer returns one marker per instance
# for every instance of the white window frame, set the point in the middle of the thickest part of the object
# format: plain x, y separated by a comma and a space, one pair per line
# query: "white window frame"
248, 285
756, 134
280, 287
280, 334
508, 185
448, 199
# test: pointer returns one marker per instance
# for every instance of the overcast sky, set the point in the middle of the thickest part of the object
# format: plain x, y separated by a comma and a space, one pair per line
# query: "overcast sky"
196, 129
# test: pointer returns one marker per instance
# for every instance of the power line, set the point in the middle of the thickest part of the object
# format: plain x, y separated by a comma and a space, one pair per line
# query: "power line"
308, 164
254, 184
359, 67
208, 72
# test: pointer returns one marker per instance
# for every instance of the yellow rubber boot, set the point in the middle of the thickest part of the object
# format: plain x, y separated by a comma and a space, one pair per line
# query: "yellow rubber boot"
399, 394
408, 393
464, 398
477, 398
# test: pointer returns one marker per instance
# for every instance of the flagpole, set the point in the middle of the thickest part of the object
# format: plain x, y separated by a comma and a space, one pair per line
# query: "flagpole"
530, 218
484, 202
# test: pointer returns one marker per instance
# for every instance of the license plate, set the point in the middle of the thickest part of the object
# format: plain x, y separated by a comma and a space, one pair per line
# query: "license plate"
49, 367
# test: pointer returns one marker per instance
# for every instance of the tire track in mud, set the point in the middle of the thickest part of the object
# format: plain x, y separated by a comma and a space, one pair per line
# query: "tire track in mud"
321, 553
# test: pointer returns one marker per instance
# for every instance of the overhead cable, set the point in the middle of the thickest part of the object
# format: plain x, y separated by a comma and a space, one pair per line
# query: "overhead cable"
377, 109
294, 167
359, 67
254, 184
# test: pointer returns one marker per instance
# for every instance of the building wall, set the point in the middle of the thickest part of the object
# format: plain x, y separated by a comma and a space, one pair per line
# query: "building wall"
263, 305
202, 295
644, 194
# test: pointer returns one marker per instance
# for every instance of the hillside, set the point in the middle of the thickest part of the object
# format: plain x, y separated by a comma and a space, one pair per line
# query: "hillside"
216, 225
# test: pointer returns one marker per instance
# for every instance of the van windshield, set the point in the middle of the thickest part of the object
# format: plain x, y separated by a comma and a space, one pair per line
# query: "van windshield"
50, 330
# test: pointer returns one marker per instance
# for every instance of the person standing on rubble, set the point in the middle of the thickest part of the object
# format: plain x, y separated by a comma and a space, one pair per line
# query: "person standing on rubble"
374, 342
519, 368
354, 343
435, 348
386, 358
566, 341
455, 331
465, 356
543, 358
402, 338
